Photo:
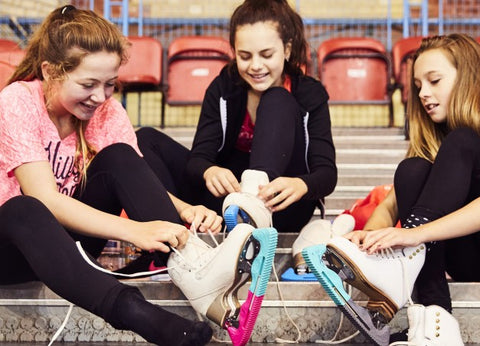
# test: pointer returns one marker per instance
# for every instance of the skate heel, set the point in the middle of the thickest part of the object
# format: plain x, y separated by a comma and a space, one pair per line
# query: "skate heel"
384, 308
333, 285
241, 329
233, 215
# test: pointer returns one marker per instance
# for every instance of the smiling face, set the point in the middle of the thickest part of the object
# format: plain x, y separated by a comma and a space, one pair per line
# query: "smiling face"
435, 76
86, 87
260, 55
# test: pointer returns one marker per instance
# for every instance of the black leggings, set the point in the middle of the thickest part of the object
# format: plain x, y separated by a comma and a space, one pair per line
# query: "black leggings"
34, 246
278, 148
434, 190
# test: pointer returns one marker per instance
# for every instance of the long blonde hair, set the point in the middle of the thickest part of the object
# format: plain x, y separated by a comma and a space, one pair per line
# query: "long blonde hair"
463, 109
64, 38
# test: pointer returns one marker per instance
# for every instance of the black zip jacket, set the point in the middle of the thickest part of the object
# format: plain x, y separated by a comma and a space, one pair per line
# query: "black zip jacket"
221, 117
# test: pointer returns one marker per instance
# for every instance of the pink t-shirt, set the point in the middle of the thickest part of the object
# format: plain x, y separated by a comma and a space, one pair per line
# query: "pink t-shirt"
27, 134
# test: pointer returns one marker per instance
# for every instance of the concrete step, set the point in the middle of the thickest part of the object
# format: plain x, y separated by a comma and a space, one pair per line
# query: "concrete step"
31, 312
39, 312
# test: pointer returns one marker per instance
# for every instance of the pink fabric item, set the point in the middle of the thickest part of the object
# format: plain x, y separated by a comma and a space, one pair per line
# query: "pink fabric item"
28, 135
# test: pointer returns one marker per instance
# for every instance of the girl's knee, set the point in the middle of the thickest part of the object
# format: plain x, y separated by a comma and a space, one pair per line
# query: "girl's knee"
21, 204
21, 209
146, 133
116, 156
412, 169
276, 102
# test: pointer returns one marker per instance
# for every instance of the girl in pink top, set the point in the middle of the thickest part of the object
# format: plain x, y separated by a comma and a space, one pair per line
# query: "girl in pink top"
69, 164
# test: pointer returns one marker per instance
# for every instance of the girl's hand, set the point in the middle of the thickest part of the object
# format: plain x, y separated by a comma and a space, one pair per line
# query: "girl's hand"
390, 237
202, 218
220, 181
282, 192
158, 235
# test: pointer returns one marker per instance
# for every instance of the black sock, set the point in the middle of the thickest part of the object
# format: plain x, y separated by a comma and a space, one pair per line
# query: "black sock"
156, 325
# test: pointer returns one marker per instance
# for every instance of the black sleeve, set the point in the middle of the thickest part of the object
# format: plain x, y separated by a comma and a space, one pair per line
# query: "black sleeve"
322, 179
208, 136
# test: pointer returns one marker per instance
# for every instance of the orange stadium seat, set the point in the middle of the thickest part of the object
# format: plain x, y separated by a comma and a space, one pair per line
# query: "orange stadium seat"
7, 45
355, 70
6, 70
192, 63
10, 52
402, 53
12, 57
143, 71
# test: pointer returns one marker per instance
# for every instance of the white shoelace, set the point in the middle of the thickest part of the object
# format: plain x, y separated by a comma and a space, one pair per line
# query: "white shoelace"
87, 259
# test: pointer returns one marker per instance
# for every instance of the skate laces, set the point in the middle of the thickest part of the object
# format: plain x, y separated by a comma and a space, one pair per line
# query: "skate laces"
62, 326
332, 341
199, 248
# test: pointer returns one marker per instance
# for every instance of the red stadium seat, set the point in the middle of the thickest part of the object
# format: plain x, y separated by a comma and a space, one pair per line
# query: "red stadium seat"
6, 70
12, 57
402, 53
355, 70
7, 45
143, 71
192, 63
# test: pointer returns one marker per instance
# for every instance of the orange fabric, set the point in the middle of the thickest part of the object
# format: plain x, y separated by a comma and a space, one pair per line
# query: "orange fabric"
364, 207
287, 84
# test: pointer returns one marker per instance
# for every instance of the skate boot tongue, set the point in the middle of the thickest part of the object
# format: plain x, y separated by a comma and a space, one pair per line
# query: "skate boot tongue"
245, 206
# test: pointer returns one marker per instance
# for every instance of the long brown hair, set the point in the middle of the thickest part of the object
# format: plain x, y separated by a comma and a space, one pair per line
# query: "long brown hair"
289, 25
463, 109
64, 38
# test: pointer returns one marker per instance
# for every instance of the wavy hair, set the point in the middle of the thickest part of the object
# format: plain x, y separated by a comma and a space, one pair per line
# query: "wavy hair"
463, 109
64, 38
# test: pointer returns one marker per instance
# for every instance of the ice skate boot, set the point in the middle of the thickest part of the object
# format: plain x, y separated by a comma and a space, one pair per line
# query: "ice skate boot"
431, 326
245, 206
387, 278
210, 277
317, 232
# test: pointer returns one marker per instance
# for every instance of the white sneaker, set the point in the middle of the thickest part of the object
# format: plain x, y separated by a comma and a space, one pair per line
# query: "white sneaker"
432, 326
245, 206
210, 277
387, 278
318, 231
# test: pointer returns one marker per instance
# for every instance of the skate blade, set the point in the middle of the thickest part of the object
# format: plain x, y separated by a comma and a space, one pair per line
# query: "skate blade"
233, 215
226, 306
333, 285
378, 301
241, 329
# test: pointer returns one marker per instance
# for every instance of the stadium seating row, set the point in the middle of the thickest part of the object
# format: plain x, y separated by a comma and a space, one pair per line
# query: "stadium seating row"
354, 70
